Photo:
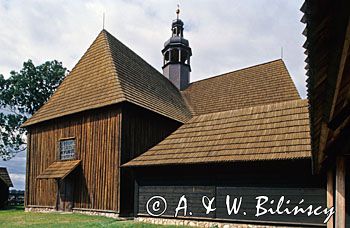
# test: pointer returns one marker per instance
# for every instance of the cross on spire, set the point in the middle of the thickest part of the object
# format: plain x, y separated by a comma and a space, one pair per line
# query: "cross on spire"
178, 11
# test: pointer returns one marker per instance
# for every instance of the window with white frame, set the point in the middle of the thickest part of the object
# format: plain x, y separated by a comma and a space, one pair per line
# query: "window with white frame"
67, 149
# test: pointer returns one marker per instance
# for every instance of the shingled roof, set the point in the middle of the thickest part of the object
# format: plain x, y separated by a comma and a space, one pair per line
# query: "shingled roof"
59, 169
110, 73
4, 176
267, 132
256, 85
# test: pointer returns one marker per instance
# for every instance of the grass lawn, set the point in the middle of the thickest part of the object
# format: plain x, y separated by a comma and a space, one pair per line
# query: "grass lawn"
16, 217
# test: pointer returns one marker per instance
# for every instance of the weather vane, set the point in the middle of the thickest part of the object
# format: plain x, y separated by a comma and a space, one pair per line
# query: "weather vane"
178, 11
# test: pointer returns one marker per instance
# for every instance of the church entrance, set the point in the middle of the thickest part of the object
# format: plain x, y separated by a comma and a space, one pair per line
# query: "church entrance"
66, 192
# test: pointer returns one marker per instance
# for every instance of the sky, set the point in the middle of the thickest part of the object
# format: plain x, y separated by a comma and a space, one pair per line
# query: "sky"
225, 35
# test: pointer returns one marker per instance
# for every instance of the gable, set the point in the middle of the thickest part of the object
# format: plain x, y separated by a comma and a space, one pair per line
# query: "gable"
257, 85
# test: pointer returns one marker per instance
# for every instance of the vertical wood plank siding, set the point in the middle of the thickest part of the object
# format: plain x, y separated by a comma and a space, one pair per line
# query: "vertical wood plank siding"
105, 139
97, 135
141, 130
292, 179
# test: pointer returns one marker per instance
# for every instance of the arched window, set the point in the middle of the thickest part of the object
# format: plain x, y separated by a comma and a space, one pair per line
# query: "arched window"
174, 31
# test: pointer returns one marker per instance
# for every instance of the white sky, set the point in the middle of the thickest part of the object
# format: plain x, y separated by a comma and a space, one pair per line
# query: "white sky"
224, 35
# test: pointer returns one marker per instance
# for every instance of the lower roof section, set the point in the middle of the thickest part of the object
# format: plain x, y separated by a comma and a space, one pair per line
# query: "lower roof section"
59, 169
4, 176
276, 131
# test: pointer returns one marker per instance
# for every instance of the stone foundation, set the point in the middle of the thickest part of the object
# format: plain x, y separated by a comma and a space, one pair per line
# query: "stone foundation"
109, 214
156, 220
205, 224
39, 209
99, 213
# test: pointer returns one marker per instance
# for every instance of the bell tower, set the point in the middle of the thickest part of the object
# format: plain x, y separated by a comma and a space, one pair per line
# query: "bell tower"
176, 56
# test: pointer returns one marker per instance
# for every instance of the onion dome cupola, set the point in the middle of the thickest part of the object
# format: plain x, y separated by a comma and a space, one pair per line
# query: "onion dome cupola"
176, 56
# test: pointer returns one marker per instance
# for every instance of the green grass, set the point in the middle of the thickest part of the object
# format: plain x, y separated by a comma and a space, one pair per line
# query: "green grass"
16, 217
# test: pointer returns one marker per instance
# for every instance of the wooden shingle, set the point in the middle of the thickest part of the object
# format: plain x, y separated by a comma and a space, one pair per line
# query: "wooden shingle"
267, 132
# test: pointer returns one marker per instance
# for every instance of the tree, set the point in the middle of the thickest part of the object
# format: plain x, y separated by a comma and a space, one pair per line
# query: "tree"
22, 94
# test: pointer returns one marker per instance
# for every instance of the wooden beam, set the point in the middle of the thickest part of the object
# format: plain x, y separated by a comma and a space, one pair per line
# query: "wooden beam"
320, 157
330, 195
26, 192
343, 58
340, 192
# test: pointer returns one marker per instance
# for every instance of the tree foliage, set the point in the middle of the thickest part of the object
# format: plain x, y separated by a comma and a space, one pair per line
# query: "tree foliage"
21, 94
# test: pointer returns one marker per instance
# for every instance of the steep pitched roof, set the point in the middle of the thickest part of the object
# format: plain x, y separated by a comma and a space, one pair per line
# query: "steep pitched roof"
110, 73
267, 132
4, 176
257, 85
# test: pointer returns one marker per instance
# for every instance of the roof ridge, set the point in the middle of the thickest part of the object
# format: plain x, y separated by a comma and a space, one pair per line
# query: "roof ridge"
109, 53
285, 66
234, 71
251, 107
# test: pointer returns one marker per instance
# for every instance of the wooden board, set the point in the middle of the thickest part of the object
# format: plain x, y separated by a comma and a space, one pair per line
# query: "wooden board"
293, 180
247, 212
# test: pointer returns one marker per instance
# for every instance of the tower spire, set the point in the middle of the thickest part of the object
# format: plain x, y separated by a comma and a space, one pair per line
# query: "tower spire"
177, 53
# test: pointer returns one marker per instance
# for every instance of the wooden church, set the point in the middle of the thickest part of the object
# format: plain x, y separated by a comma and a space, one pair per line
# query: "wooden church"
116, 132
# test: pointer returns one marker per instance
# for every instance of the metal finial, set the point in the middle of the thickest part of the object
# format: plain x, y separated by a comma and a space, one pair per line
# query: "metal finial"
103, 21
281, 52
178, 11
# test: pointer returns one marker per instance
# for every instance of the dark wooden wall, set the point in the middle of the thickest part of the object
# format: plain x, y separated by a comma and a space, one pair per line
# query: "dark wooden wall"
141, 130
4, 194
292, 179
97, 135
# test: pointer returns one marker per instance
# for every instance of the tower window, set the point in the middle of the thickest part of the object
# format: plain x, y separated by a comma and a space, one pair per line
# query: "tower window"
174, 55
175, 31
166, 56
